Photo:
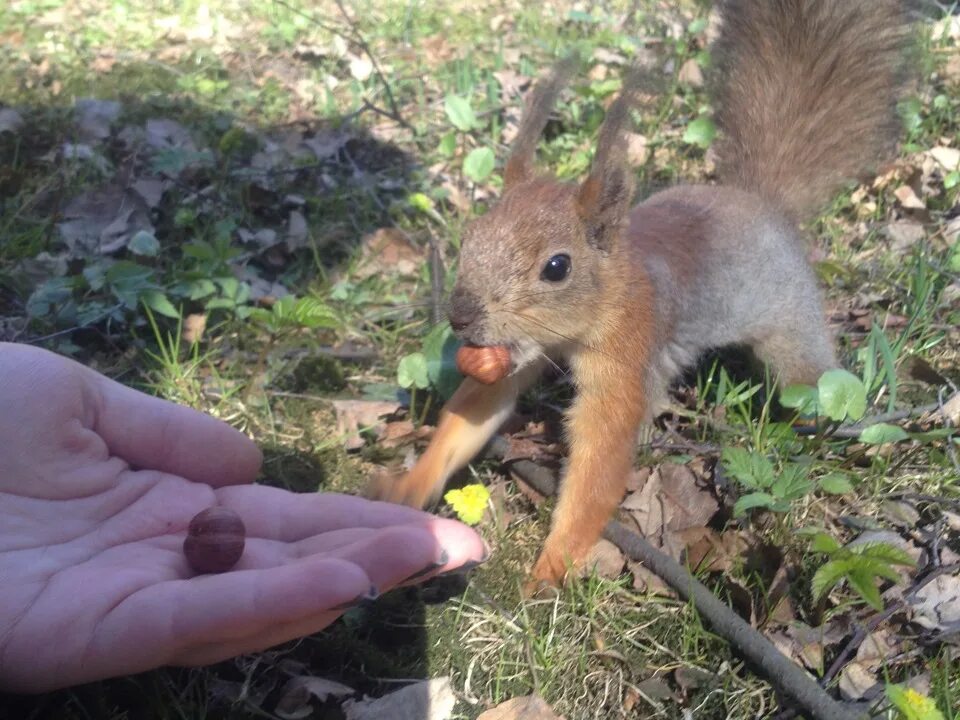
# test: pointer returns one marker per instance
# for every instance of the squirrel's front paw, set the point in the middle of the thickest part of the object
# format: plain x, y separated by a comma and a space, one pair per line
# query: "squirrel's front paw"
548, 573
410, 489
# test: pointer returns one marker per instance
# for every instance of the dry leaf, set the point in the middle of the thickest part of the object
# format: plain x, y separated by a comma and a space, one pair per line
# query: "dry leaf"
691, 74
951, 409
637, 150
529, 707
389, 251
94, 118
948, 158
297, 232
856, 681
193, 326
673, 500
908, 198
360, 67
10, 120
354, 415
936, 606
295, 701
103, 220
904, 234
644, 580
605, 559
427, 700
524, 448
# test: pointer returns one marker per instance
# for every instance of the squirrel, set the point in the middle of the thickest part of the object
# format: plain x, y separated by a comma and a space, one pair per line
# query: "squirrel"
805, 101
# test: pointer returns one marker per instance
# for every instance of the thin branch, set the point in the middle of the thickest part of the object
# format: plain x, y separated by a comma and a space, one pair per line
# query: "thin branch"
853, 431
786, 677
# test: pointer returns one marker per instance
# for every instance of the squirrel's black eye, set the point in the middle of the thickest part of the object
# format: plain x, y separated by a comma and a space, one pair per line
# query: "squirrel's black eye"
556, 269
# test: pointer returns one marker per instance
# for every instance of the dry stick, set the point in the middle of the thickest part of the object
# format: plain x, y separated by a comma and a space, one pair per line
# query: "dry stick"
853, 431
784, 675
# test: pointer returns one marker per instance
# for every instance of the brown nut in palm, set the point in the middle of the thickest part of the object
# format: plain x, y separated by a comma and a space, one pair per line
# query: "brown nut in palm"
484, 364
215, 540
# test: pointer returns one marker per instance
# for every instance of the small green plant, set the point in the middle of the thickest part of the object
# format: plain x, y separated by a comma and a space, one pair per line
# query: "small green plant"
770, 489
434, 366
859, 564
479, 162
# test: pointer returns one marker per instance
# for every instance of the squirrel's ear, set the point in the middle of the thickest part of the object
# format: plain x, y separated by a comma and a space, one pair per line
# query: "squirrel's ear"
516, 171
603, 202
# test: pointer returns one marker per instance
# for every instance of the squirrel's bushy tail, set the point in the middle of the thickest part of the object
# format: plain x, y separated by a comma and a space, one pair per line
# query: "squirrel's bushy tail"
806, 94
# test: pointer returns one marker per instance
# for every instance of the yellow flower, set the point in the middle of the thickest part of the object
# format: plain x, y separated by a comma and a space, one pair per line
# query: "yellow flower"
913, 705
469, 502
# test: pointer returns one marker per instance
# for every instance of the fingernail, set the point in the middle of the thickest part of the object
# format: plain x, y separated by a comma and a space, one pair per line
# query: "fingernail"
438, 563
365, 599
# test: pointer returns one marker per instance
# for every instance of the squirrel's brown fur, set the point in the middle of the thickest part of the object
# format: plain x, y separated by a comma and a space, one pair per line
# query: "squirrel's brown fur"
807, 101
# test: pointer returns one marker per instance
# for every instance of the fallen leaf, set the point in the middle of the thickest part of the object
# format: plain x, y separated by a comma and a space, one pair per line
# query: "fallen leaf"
908, 198
951, 409
389, 251
656, 688
522, 448
645, 580
904, 234
151, 190
297, 232
427, 700
605, 559
948, 158
691, 74
94, 117
354, 415
10, 120
673, 500
165, 134
529, 707
856, 681
294, 703
637, 150
102, 221
193, 326
936, 606
361, 68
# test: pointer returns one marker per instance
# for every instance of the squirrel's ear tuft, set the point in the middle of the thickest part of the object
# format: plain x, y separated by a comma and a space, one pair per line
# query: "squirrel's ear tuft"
539, 106
603, 202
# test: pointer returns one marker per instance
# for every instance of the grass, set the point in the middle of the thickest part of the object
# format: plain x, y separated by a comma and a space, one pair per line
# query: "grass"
247, 78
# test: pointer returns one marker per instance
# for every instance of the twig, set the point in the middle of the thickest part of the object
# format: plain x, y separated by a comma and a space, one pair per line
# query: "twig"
784, 675
853, 431
857, 640
355, 36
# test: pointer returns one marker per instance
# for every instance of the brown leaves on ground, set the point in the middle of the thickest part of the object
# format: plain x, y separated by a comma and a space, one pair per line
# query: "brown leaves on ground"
427, 700
529, 707
390, 251
356, 415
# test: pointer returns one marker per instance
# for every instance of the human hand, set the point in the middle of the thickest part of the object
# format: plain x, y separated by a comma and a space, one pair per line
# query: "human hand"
98, 483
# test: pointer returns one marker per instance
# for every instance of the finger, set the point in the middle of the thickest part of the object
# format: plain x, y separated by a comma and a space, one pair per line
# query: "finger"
282, 515
155, 434
160, 624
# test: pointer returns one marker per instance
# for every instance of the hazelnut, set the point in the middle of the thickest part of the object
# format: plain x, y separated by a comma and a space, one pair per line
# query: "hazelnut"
484, 364
215, 540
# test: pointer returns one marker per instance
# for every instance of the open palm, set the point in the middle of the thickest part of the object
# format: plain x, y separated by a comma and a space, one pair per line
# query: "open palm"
97, 486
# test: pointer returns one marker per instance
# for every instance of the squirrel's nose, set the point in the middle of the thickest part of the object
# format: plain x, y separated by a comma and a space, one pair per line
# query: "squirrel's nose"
464, 309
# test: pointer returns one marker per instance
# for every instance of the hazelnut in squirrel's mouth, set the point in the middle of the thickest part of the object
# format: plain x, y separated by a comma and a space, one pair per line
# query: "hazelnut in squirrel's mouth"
485, 364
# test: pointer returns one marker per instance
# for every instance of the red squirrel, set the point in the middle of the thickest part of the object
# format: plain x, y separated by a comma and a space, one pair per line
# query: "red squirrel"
805, 98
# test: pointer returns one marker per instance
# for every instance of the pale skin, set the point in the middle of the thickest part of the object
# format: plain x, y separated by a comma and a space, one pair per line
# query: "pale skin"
97, 485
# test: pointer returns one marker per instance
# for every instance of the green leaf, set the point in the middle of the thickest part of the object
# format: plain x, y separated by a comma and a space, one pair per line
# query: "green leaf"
802, 398
412, 371
882, 433
144, 243
953, 263
792, 483
440, 349
309, 312
750, 469
884, 552
753, 500
829, 574
836, 484
158, 302
823, 543
863, 584
448, 144
700, 132
951, 180
842, 395
479, 164
421, 202
460, 113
